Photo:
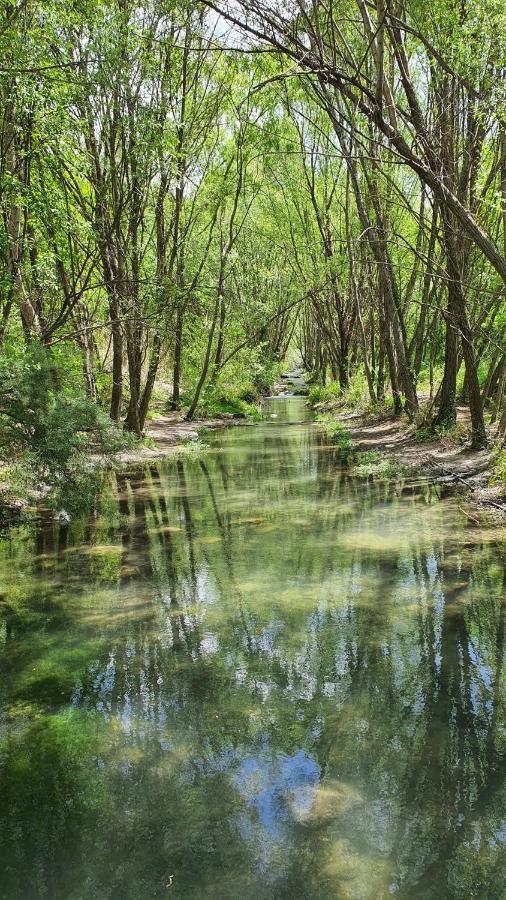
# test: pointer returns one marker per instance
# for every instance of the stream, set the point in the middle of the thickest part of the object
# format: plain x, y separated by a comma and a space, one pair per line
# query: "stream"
249, 674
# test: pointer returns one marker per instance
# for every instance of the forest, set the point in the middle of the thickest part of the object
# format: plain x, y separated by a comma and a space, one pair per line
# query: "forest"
190, 191
252, 449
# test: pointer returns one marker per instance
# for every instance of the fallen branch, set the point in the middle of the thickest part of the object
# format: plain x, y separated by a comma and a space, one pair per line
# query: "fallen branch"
449, 474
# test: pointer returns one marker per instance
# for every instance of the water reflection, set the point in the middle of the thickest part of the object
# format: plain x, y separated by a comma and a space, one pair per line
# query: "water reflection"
252, 674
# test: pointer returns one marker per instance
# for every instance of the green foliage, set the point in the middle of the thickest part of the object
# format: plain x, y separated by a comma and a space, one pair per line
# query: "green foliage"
424, 433
499, 469
237, 402
45, 423
320, 396
193, 448
355, 396
456, 434
371, 463
337, 433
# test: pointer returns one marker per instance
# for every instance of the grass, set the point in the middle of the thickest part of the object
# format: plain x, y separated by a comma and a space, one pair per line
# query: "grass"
371, 463
454, 436
193, 448
365, 464
337, 433
320, 396
355, 397
230, 405
499, 469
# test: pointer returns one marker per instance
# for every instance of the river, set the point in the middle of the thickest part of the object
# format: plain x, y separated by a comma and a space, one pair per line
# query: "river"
249, 674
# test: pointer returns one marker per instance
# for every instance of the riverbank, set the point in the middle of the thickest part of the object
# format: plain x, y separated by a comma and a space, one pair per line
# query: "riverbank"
444, 458
391, 439
168, 434
165, 435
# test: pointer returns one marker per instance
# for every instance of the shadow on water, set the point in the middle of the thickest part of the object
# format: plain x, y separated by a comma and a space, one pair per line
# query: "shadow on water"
251, 674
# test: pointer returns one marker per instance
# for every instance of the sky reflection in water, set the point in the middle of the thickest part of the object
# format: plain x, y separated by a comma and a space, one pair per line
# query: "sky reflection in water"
252, 675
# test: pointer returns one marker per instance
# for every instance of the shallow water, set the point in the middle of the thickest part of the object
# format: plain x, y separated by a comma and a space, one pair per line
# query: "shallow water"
251, 675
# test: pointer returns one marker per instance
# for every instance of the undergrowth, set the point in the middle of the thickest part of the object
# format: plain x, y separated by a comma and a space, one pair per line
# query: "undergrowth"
230, 406
371, 463
499, 470
236, 404
193, 448
48, 432
355, 397
454, 436
337, 433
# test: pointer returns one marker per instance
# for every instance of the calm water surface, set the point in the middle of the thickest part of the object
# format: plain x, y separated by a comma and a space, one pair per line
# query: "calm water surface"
251, 675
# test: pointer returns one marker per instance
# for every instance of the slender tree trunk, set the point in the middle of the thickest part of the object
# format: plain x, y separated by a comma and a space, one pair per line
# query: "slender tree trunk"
150, 379
178, 348
205, 367
117, 362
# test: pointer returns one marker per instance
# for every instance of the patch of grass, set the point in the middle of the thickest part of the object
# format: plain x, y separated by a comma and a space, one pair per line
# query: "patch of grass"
449, 437
230, 405
149, 443
456, 435
320, 396
499, 469
193, 448
424, 433
355, 397
380, 410
372, 464
337, 433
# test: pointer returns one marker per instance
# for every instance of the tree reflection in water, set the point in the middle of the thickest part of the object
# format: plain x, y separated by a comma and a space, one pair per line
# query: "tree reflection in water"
251, 674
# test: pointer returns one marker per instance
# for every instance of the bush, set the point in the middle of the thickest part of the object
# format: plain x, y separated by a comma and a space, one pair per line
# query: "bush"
320, 396
44, 422
218, 401
337, 433
356, 395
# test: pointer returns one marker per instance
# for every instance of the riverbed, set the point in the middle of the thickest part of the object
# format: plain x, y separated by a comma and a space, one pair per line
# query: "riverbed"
247, 673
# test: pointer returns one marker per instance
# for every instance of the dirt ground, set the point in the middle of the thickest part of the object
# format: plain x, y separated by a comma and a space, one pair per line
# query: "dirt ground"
446, 460
168, 433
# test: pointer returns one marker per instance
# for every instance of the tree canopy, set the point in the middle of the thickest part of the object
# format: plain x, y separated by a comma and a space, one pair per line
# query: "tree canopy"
190, 191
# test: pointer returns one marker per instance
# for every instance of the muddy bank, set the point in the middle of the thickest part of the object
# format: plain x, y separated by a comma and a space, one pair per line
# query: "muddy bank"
444, 459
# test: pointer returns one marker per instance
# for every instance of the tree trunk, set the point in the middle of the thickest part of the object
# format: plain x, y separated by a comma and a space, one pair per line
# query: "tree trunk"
117, 363
178, 347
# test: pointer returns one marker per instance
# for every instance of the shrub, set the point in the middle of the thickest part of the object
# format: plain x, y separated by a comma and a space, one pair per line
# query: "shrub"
337, 433
44, 423
217, 401
356, 395
320, 396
